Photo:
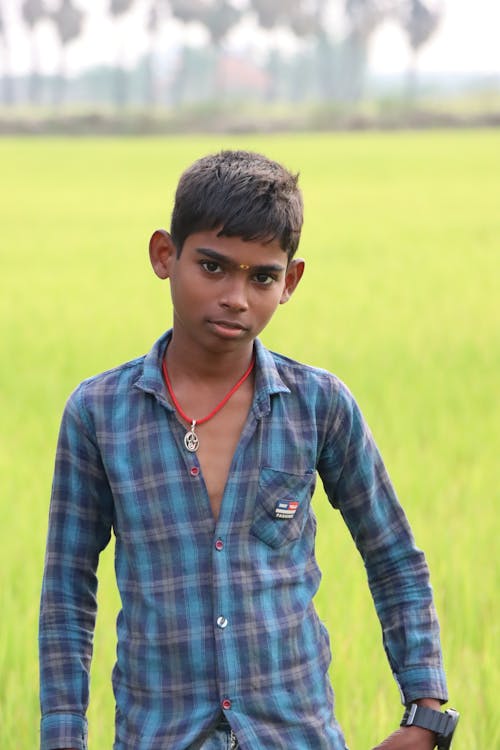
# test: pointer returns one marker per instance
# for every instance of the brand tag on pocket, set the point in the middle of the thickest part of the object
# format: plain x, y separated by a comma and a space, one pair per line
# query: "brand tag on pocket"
286, 509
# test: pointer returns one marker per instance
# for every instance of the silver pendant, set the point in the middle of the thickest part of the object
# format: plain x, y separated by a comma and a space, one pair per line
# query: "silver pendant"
191, 440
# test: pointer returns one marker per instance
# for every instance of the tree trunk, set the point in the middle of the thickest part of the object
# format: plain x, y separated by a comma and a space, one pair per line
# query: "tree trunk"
120, 77
353, 67
411, 86
34, 78
7, 96
326, 68
60, 79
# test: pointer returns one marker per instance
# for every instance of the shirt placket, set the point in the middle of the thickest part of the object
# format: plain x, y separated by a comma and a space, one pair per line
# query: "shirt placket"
234, 506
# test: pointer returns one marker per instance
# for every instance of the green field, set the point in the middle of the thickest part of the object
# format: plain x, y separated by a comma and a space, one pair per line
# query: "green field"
400, 299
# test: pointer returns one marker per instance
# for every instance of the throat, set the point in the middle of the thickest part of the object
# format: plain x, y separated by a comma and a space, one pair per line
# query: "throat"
187, 359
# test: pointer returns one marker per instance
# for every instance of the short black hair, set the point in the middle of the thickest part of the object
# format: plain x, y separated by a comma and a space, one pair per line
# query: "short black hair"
242, 193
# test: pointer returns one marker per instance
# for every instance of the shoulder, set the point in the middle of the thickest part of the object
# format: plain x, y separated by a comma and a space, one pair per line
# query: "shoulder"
296, 374
118, 378
319, 391
101, 392
114, 395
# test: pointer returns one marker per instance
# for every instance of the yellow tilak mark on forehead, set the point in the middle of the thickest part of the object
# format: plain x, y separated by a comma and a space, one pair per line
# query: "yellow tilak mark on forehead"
243, 266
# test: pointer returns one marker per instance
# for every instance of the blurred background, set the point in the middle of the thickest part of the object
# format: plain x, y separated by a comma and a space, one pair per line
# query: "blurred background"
400, 298
159, 66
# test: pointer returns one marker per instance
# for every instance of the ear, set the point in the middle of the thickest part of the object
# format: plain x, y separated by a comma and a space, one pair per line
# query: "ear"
292, 277
162, 252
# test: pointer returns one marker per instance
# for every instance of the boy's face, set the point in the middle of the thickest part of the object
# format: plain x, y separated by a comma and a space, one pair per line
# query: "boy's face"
224, 290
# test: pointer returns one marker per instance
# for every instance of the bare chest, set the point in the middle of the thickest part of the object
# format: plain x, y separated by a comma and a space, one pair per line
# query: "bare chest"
219, 439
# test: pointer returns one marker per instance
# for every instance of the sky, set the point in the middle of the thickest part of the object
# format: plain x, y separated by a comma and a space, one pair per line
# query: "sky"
468, 40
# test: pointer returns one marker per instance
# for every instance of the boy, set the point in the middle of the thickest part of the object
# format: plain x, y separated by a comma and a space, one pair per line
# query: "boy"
202, 457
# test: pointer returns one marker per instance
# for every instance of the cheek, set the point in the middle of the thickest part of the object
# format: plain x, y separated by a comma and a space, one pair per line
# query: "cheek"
183, 292
182, 302
269, 304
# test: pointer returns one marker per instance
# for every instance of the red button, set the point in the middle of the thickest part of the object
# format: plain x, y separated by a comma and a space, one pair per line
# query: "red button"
219, 545
226, 704
195, 471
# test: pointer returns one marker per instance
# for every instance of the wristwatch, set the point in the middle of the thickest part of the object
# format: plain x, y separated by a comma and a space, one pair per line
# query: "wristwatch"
442, 723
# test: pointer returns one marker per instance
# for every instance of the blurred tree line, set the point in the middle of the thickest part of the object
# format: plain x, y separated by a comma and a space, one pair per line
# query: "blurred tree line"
328, 62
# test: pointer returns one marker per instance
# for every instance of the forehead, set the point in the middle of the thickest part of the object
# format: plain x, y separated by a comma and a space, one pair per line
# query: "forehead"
242, 253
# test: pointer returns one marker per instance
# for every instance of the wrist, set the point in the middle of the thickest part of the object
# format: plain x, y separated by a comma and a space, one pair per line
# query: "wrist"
440, 725
433, 703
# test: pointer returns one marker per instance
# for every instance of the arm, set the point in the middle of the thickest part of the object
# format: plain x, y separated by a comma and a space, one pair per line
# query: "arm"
79, 528
412, 738
357, 483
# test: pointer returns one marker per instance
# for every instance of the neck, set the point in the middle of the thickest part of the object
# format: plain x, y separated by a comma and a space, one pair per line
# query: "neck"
204, 365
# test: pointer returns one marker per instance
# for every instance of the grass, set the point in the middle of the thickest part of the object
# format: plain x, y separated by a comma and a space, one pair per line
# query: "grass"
400, 299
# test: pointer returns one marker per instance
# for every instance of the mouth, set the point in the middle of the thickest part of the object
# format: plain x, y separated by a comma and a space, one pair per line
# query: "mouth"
229, 324
228, 327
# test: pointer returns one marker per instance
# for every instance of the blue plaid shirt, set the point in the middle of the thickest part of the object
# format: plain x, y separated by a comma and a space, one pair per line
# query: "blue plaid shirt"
219, 615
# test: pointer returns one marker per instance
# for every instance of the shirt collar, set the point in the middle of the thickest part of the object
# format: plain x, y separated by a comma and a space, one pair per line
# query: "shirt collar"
151, 377
267, 378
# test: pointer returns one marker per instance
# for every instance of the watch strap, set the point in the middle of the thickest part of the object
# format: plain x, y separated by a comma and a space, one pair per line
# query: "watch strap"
426, 718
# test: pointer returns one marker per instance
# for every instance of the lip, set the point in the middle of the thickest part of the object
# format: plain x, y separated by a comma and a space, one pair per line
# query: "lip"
229, 324
227, 327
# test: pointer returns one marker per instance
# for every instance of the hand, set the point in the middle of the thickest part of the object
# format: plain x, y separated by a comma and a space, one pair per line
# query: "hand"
409, 738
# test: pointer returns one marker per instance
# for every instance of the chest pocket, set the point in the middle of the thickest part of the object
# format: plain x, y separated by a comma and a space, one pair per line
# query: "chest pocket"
282, 506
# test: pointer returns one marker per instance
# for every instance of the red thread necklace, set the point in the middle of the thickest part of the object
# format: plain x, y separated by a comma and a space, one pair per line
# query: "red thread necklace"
191, 439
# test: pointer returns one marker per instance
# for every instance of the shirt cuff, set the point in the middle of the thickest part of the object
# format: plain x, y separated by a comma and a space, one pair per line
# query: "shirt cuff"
421, 682
60, 730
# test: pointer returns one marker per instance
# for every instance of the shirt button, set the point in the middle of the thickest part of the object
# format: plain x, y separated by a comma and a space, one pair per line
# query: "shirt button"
219, 545
194, 471
226, 704
221, 622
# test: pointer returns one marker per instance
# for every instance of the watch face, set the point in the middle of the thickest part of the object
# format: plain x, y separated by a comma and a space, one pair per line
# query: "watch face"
445, 738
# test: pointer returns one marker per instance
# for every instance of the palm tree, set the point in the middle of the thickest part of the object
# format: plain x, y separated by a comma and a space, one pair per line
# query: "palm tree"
156, 12
68, 20
420, 21
33, 11
217, 16
6, 79
118, 9
305, 20
364, 17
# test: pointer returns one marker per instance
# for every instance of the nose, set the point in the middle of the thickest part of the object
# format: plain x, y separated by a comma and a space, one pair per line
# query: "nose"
234, 295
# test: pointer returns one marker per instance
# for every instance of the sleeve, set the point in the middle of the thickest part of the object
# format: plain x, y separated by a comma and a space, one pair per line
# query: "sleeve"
79, 528
356, 482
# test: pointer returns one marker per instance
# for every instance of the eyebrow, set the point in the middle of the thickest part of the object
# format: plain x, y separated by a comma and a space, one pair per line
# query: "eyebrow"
224, 259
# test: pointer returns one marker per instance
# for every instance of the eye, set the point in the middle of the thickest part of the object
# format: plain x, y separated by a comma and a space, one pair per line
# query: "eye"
264, 279
210, 266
